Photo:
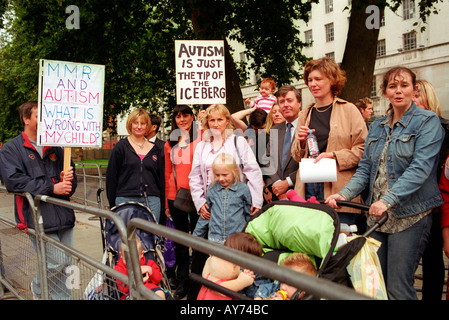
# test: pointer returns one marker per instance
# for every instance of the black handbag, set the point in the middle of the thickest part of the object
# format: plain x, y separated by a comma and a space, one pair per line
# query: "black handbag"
183, 200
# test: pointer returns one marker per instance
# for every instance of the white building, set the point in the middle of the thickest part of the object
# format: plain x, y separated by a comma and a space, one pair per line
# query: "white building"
400, 42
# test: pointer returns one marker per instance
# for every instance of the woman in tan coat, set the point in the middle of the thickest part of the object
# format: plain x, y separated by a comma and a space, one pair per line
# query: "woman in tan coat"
338, 126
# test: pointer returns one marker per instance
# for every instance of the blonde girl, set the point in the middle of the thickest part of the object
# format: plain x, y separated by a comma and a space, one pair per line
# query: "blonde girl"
229, 202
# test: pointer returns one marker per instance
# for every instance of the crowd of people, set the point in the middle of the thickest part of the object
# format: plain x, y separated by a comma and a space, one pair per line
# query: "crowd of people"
397, 164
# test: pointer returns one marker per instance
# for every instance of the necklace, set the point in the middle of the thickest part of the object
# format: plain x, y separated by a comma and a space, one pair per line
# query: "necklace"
316, 108
139, 145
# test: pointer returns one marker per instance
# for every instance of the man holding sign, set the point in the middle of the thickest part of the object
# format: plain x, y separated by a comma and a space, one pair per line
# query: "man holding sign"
27, 167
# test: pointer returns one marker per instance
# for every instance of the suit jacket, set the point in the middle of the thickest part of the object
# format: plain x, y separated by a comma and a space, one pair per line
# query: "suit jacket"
273, 171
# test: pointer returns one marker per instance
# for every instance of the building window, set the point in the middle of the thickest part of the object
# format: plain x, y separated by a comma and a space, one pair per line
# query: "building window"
329, 5
308, 37
409, 40
373, 93
408, 9
331, 55
381, 49
329, 32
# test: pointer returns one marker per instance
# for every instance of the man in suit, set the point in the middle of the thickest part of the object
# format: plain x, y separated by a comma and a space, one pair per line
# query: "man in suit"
280, 176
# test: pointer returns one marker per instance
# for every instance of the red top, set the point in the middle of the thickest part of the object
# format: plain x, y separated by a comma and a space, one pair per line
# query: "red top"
152, 283
208, 294
183, 158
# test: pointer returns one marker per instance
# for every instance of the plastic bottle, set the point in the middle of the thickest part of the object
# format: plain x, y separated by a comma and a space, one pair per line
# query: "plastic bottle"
279, 293
312, 144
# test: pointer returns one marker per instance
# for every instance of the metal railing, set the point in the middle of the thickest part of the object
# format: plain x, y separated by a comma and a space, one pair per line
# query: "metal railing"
83, 267
320, 288
90, 182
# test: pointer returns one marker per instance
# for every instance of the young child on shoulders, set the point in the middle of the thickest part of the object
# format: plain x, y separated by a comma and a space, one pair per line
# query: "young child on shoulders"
229, 202
265, 99
225, 273
299, 262
150, 272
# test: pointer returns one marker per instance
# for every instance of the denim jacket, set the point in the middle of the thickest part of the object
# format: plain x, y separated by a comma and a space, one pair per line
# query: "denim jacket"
230, 209
412, 159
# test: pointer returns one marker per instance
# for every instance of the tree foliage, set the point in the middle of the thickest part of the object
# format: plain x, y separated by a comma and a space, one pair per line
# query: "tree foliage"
134, 39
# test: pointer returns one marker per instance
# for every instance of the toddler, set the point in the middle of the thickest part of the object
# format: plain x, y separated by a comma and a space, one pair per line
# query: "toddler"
225, 273
265, 99
150, 272
299, 262
229, 202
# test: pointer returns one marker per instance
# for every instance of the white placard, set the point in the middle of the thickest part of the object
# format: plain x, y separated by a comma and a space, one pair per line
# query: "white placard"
324, 170
200, 72
70, 104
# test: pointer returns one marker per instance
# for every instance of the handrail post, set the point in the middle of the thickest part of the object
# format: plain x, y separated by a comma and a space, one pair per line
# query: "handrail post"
40, 244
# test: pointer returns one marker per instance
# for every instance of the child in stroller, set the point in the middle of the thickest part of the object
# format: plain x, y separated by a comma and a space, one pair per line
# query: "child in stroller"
150, 272
299, 262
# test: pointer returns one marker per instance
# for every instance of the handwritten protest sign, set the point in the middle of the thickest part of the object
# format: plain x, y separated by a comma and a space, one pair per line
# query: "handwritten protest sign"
70, 104
200, 72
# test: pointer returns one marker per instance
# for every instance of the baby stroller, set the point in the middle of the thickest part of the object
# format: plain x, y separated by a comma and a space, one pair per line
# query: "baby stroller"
152, 244
283, 227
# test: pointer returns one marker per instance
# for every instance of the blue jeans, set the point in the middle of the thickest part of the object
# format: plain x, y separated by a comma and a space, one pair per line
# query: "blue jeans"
57, 261
154, 202
399, 257
314, 190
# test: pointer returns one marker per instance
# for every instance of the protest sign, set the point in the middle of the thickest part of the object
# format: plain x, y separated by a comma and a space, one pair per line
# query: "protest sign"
70, 104
200, 72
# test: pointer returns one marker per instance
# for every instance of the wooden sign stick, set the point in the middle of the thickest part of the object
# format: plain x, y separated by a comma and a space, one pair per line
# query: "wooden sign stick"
67, 158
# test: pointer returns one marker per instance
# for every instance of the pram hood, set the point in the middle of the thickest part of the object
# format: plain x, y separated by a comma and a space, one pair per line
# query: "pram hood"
293, 226
128, 211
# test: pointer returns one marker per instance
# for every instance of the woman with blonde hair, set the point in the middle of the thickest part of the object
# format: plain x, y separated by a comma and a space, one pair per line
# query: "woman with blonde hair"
426, 97
432, 260
136, 164
218, 137
274, 117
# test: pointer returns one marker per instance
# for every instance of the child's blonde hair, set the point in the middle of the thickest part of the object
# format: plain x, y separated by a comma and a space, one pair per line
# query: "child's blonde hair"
299, 260
230, 163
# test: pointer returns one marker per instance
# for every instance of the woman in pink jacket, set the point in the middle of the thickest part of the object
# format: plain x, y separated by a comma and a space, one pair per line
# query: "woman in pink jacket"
218, 137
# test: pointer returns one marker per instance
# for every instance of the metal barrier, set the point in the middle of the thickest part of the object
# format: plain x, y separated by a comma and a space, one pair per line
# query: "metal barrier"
86, 268
320, 288
90, 182
62, 271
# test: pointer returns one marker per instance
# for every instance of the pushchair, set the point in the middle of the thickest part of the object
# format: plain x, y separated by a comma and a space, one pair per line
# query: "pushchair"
152, 244
283, 227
